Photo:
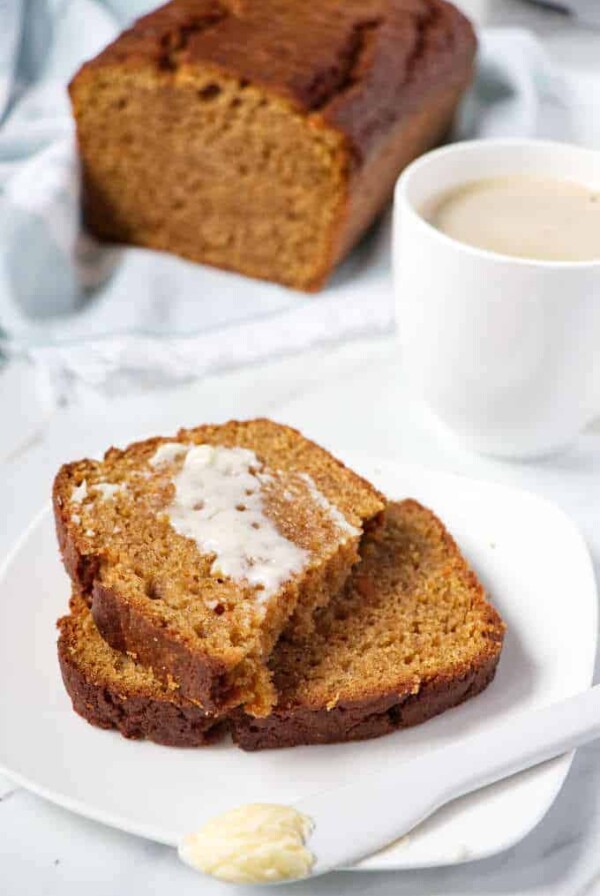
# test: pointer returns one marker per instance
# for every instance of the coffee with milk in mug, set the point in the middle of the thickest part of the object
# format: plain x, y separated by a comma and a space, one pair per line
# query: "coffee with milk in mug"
525, 217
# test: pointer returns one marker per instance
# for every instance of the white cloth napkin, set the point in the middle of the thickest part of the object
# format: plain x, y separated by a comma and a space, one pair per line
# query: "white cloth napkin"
128, 318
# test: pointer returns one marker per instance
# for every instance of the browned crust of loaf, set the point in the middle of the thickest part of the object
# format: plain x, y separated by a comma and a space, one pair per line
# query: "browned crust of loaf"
371, 186
357, 66
384, 75
128, 629
174, 723
364, 719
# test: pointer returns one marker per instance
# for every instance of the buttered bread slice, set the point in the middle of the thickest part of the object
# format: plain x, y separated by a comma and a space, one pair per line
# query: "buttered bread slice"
194, 552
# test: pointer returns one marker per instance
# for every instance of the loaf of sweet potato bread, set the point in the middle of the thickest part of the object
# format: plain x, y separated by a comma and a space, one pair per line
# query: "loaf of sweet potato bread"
264, 136
195, 552
410, 636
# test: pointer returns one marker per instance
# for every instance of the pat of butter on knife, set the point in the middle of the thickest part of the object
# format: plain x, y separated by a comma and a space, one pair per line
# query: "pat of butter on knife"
255, 843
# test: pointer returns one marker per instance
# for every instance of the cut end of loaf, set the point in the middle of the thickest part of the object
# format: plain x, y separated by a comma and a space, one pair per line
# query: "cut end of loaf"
203, 165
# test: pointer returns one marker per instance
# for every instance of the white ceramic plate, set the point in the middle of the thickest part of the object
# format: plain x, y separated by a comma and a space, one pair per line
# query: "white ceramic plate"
538, 572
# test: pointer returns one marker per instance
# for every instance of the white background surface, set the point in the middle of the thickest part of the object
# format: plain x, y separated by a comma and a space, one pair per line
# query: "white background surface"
348, 395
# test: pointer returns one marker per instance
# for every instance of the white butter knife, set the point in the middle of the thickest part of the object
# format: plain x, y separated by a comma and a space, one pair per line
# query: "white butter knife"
356, 820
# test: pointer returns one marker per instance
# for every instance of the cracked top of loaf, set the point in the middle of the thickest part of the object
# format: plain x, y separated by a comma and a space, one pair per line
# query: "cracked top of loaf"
354, 65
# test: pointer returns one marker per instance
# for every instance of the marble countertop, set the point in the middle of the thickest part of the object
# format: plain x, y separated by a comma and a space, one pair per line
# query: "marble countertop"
351, 396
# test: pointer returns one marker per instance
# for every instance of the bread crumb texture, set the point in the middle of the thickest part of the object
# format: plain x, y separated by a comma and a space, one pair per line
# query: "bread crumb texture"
411, 635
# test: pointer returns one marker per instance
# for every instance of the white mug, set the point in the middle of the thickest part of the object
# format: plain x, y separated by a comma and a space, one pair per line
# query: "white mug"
505, 351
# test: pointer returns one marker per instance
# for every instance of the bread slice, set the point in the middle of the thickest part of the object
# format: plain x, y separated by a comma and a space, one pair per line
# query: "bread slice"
263, 136
409, 637
195, 552
110, 690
